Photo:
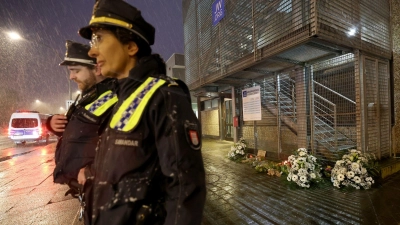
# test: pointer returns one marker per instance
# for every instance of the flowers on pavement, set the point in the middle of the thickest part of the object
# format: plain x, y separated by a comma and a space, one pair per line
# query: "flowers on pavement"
238, 150
351, 171
304, 169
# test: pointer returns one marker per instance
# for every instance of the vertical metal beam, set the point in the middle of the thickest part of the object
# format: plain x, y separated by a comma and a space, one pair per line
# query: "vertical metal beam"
235, 129
278, 117
362, 133
314, 17
378, 108
254, 32
301, 104
199, 109
221, 118
310, 74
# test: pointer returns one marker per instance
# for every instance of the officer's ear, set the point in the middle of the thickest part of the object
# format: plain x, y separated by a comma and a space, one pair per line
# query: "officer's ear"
132, 48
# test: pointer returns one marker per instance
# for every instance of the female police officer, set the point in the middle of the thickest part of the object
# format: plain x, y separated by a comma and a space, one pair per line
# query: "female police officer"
149, 168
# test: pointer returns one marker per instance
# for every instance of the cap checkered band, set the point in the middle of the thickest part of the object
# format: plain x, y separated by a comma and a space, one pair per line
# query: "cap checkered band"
135, 103
100, 101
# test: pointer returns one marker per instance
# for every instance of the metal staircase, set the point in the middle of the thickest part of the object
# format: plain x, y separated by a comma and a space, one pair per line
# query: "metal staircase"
279, 97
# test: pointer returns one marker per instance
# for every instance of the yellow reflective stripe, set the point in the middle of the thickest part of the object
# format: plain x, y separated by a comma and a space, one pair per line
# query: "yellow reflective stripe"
131, 122
110, 20
103, 107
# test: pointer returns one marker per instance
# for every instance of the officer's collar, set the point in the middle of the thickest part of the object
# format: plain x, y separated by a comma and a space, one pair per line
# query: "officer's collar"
147, 66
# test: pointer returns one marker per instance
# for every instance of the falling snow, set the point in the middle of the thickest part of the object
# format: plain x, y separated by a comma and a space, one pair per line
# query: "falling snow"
29, 67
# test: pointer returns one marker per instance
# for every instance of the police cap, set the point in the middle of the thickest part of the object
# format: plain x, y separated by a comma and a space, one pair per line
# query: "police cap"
121, 14
77, 53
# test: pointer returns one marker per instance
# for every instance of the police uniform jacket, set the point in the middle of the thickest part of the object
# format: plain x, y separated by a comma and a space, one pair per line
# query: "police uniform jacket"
76, 148
156, 163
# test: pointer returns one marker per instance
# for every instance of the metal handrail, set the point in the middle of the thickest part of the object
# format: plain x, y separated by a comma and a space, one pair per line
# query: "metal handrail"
334, 116
338, 94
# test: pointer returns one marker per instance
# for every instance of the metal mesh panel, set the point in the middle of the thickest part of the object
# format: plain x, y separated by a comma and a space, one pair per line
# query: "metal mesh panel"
371, 99
334, 106
383, 74
212, 52
236, 33
190, 38
362, 24
276, 19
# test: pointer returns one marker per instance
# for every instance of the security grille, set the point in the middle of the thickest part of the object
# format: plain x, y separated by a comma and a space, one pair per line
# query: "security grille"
315, 91
377, 106
255, 30
333, 122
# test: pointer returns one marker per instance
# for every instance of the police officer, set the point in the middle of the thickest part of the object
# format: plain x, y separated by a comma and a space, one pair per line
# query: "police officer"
79, 128
148, 166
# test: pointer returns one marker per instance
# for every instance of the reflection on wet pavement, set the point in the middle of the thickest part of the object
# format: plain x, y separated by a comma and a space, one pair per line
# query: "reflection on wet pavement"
238, 195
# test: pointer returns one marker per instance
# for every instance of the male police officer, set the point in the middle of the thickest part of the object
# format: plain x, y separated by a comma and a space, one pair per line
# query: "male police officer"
79, 128
149, 168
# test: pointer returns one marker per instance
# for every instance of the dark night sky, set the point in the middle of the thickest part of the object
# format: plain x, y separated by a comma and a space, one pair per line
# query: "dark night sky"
29, 70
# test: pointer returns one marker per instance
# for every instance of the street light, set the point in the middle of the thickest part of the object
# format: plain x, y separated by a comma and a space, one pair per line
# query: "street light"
15, 36
37, 101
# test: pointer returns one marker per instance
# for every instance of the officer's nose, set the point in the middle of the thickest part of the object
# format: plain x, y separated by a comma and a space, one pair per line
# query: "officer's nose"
93, 52
72, 76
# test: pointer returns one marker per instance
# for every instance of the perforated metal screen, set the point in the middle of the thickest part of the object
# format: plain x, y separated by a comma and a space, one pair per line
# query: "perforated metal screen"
258, 29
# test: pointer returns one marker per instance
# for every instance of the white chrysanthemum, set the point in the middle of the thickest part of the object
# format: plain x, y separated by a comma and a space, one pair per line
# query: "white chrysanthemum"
350, 174
239, 147
289, 177
303, 178
355, 166
295, 177
313, 176
340, 177
302, 154
357, 179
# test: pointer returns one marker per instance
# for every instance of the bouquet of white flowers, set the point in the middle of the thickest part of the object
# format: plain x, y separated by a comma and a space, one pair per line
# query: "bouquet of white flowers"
303, 168
238, 150
351, 171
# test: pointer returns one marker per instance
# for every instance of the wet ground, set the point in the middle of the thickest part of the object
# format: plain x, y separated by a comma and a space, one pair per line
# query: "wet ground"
236, 194
239, 195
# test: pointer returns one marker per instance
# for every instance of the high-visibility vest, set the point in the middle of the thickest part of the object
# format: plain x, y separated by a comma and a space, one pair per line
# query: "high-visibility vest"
129, 113
102, 103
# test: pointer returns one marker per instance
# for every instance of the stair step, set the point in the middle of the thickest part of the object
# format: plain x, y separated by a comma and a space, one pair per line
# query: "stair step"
341, 138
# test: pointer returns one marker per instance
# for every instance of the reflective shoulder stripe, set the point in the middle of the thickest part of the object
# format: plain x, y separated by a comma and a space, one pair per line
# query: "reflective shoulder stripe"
129, 113
102, 103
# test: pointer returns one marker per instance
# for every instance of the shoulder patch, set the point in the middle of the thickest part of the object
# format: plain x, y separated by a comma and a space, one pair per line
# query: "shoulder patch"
192, 135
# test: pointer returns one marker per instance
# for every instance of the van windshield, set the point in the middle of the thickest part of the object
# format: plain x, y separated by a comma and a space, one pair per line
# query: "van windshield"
24, 123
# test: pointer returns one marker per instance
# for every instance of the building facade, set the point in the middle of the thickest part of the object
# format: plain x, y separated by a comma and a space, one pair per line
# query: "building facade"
323, 70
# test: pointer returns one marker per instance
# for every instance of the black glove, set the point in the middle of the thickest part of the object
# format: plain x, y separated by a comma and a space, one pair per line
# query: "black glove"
75, 189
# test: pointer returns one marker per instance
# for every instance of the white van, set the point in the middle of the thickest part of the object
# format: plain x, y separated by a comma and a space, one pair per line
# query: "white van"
28, 126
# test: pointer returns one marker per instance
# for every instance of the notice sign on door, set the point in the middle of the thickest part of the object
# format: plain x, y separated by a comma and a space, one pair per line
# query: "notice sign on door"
251, 104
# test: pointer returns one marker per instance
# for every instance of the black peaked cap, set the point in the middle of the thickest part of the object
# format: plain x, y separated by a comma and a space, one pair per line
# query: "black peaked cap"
121, 14
77, 53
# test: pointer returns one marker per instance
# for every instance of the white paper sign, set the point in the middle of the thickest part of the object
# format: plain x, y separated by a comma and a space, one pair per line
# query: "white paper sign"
251, 104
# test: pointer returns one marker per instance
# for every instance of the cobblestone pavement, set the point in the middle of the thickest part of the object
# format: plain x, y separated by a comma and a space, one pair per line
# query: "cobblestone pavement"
238, 195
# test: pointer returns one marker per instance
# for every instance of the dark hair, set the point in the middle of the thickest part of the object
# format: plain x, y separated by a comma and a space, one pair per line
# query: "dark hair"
125, 36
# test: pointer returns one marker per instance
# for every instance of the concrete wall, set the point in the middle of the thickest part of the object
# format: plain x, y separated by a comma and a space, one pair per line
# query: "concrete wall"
210, 123
395, 13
